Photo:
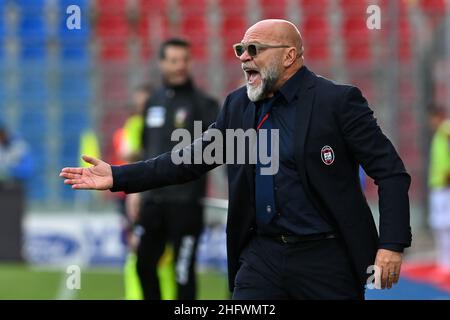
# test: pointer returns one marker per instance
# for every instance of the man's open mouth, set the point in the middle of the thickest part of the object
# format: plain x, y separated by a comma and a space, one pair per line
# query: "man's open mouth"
252, 75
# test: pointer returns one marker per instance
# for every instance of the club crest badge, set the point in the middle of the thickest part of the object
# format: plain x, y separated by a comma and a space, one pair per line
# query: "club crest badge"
180, 118
327, 155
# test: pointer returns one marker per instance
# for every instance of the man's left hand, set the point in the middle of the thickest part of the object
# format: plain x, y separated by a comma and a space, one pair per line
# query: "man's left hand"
389, 263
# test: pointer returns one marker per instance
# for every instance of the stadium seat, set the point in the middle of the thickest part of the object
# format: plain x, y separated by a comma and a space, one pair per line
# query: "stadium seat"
32, 27
357, 40
193, 7
74, 43
195, 29
3, 97
112, 30
143, 33
273, 9
75, 96
78, 52
29, 6
404, 45
232, 30
32, 33
34, 90
73, 121
316, 32
433, 7
314, 8
33, 124
353, 8
152, 5
36, 187
233, 7
3, 31
111, 7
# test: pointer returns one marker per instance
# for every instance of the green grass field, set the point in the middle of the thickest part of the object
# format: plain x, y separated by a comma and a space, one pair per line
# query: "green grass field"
24, 282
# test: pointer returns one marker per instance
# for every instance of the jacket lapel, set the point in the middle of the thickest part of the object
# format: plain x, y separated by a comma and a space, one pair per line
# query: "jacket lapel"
303, 116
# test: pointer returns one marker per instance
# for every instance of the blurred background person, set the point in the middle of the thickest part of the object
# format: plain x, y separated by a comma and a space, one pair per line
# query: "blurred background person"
439, 184
172, 216
60, 81
89, 142
127, 144
16, 162
16, 168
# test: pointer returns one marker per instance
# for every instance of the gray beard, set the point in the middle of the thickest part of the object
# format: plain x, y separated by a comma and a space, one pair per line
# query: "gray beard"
269, 78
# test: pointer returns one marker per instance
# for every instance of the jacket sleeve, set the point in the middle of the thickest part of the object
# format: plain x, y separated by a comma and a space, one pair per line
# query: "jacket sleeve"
375, 152
161, 171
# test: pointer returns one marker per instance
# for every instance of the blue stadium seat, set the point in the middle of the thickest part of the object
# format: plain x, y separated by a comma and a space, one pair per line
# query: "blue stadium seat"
73, 123
33, 125
32, 32
32, 103
36, 188
3, 95
82, 107
30, 6
32, 27
74, 42
69, 153
3, 32
33, 96
75, 92
2, 110
80, 68
76, 34
32, 70
36, 52
74, 52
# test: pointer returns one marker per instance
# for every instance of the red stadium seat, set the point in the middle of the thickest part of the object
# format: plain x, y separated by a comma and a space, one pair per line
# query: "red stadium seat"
155, 6
273, 9
435, 10
193, 7
152, 23
112, 29
112, 26
354, 7
314, 8
195, 29
111, 6
232, 7
232, 30
404, 45
433, 7
143, 34
316, 31
357, 40
113, 33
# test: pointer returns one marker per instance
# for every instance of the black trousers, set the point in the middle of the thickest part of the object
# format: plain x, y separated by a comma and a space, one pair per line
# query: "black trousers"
317, 269
180, 225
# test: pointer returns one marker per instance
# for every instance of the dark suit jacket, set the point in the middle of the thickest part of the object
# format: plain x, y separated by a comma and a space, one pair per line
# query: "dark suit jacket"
327, 114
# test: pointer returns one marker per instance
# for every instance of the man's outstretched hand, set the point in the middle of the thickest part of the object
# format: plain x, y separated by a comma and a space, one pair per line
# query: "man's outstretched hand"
97, 177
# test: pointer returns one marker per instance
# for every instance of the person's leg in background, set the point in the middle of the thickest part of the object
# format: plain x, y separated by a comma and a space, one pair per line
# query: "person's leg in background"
443, 248
186, 225
439, 221
150, 249
130, 209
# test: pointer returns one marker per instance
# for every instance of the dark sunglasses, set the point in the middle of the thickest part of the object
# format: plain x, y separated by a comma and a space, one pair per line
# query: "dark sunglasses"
253, 49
